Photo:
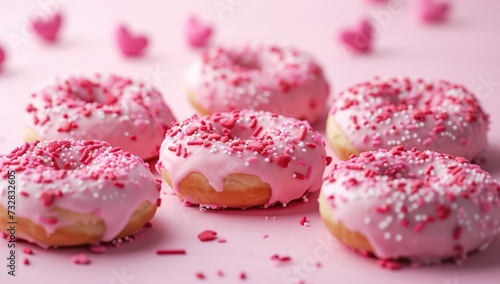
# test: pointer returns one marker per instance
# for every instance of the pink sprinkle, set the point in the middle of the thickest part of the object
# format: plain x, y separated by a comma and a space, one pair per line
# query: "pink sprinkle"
97, 248
221, 240
419, 227
433, 11
2, 56
265, 236
197, 33
358, 39
427, 141
26, 261
149, 224
28, 251
220, 273
80, 259
130, 45
389, 264
47, 29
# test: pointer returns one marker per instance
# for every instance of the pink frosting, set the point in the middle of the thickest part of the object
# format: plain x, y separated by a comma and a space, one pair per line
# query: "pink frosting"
127, 114
271, 78
438, 116
284, 152
88, 177
417, 205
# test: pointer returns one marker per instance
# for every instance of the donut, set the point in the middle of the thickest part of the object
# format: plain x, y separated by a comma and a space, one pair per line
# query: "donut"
407, 204
281, 80
128, 114
71, 192
242, 159
386, 112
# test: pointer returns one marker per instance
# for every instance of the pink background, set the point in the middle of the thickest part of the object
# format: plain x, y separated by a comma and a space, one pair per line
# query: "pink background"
465, 50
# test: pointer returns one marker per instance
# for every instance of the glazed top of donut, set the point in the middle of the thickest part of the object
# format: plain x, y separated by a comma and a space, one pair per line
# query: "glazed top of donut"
81, 176
80, 107
284, 152
383, 113
407, 194
258, 77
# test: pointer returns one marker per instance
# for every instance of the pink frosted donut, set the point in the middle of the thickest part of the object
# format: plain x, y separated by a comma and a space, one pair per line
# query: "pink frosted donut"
438, 116
422, 206
242, 159
281, 80
67, 192
127, 114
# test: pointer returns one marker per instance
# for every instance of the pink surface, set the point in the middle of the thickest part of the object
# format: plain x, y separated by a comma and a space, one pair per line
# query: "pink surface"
463, 50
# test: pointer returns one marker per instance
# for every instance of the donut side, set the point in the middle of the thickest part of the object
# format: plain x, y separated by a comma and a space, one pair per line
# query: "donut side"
337, 139
239, 190
84, 228
348, 237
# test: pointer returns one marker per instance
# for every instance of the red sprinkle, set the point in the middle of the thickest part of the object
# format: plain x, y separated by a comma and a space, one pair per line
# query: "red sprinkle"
457, 232
170, 251
303, 220
207, 235
281, 259
48, 198
283, 160
28, 251
200, 275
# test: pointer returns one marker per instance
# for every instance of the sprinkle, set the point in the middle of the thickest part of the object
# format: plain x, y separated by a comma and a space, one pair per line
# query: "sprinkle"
97, 248
48, 198
28, 251
283, 160
200, 275
419, 227
298, 176
303, 221
207, 235
457, 232
80, 259
281, 259
170, 251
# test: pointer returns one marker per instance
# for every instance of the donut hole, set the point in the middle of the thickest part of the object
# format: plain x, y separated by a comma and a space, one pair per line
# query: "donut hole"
248, 63
89, 91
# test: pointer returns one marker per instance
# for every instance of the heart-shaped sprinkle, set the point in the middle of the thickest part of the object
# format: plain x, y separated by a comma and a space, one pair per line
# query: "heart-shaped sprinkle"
47, 198
358, 39
130, 45
48, 28
207, 235
197, 33
80, 259
2, 56
433, 11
